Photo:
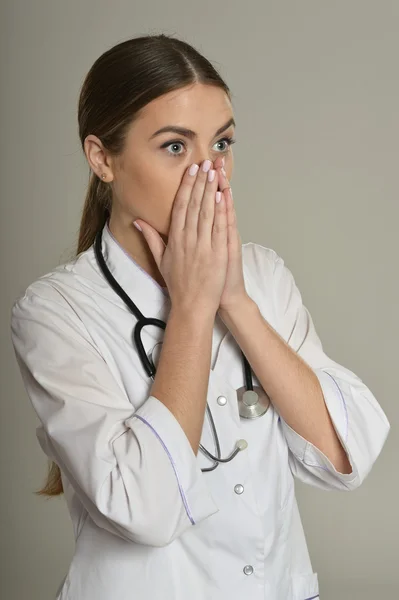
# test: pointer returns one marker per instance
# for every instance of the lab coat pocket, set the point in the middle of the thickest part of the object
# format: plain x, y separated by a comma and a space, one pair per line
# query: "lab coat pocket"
304, 586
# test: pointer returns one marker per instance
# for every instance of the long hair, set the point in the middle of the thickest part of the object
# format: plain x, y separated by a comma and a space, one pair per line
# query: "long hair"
119, 84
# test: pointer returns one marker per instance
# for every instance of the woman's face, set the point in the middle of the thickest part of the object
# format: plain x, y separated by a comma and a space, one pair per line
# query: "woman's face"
146, 177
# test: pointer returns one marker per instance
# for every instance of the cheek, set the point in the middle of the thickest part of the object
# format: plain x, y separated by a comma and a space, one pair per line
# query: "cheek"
161, 186
149, 190
157, 195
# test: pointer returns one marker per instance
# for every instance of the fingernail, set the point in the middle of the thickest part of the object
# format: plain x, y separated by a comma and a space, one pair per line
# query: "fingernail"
218, 197
224, 172
211, 175
206, 165
223, 161
193, 169
137, 225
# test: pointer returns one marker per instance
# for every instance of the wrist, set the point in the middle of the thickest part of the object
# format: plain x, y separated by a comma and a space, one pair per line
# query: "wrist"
236, 307
193, 316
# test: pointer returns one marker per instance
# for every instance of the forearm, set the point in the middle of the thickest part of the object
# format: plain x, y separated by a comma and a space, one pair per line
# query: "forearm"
182, 377
290, 383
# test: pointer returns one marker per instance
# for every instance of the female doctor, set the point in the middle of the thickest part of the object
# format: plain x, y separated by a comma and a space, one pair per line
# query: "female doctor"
155, 517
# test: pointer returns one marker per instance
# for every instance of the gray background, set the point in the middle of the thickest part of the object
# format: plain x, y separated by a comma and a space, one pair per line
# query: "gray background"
316, 98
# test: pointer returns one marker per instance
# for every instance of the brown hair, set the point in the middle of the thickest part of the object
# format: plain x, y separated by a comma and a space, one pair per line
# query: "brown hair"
120, 83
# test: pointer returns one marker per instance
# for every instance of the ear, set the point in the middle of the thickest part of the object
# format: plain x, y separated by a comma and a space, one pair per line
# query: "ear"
97, 157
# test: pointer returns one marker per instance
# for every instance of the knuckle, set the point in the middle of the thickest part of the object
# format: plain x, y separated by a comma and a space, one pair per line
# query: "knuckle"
196, 201
206, 213
180, 205
219, 228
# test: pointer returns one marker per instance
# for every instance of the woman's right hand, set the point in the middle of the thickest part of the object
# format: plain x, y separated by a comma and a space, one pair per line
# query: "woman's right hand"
193, 264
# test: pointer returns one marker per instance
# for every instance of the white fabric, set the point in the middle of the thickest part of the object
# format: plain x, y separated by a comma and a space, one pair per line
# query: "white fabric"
148, 524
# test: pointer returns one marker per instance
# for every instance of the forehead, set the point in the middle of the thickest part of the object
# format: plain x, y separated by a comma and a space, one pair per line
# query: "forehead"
199, 107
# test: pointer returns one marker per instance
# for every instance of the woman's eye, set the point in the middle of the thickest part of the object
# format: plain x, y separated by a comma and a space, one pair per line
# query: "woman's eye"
228, 141
173, 146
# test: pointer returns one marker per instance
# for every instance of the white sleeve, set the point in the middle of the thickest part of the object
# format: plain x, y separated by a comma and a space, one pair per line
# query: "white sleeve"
358, 419
135, 472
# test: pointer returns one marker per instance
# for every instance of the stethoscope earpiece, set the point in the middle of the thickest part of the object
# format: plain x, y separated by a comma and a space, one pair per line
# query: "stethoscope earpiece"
242, 445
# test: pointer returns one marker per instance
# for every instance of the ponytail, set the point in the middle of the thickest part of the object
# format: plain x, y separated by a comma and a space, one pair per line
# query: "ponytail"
96, 211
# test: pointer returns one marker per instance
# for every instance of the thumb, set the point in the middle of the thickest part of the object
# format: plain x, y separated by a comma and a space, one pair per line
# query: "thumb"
153, 239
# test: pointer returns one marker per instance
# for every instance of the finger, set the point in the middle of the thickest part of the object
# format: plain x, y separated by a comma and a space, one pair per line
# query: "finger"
224, 183
224, 186
219, 231
197, 194
207, 210
182, 198
219, 162
154, 241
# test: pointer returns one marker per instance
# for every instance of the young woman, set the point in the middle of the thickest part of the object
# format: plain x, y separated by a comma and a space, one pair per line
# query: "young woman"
156, 513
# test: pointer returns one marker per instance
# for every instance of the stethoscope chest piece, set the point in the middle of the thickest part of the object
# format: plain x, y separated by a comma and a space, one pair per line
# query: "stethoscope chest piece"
252, 403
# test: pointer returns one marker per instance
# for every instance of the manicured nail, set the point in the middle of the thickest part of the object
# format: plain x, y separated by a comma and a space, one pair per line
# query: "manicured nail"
193, 169
211, 175
206, 165
224, 172
218, 197
223, 161
137, 225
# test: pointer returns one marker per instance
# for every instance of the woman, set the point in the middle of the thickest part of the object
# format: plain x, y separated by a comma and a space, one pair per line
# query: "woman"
153, 517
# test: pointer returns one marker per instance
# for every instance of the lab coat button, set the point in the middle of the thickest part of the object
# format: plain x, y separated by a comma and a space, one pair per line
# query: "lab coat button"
238, 488
222, 400
248, 570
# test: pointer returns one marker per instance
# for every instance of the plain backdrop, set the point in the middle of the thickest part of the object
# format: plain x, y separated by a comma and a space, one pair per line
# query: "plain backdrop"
316, 94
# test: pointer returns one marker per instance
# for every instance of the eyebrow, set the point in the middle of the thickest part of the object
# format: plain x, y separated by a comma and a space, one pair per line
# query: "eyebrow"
188, 133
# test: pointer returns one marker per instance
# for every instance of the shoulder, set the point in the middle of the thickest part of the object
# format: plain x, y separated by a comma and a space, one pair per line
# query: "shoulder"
268, 279
263, 265
45, 317
256, 256
54, 288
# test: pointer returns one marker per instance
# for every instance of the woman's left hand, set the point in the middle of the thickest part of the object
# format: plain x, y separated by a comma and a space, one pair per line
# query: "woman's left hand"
234, 290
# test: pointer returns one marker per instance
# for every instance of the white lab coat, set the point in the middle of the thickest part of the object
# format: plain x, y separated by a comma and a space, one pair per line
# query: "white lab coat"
148, 524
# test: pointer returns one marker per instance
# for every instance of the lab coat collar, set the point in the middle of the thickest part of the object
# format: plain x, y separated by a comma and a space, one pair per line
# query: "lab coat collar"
145, 292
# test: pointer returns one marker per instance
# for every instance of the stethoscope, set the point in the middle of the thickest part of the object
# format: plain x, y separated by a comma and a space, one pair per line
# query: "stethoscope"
252, 402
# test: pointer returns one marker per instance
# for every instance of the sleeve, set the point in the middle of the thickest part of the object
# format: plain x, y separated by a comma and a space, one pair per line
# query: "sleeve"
358, 419
134, 471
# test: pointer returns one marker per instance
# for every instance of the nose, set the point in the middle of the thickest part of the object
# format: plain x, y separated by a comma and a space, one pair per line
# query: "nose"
199, 158
200, 153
